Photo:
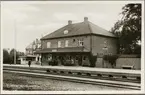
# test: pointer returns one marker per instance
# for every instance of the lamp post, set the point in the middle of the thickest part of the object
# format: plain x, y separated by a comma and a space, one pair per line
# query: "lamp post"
105, 49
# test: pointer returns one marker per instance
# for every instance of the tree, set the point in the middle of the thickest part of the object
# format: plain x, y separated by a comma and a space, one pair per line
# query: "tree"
12, 55
128, 29
6, 56
111, 59
92, 59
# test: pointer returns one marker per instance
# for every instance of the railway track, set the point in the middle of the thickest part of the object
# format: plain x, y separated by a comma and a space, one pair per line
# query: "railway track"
133, 80
82, 77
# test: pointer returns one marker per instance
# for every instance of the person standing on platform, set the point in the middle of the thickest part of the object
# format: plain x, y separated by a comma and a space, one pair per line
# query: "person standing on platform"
29, 63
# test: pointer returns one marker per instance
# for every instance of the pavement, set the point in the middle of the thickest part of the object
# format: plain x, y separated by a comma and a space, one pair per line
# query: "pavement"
82, 68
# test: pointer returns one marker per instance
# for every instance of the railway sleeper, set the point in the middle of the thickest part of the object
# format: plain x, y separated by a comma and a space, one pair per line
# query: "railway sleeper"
79, 73
138, 78
70, 73
99, 75
124, 77
47, 70
110, 76
54, 71
88, 74
62, 72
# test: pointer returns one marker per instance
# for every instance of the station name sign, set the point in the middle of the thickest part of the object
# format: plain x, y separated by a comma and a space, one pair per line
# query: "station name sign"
54, 50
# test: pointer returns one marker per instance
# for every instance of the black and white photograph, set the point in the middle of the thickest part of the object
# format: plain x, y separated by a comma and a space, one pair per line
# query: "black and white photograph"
72, 47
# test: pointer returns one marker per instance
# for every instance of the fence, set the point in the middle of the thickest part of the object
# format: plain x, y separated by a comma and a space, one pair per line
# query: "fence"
133, 61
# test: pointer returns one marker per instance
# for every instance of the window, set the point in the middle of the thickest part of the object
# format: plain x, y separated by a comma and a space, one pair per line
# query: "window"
65, 32
48, 44
59, 43
77, 58
66, 43
81, 42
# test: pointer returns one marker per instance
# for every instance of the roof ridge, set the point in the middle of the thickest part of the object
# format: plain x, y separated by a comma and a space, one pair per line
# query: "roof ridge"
60, 29
90, 27
97, 26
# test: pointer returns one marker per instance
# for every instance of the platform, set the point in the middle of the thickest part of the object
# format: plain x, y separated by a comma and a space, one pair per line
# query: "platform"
107, 70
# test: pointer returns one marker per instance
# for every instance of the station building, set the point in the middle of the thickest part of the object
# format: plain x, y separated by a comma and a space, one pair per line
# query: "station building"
73, 43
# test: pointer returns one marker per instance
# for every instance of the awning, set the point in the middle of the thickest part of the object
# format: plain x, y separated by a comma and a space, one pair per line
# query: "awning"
62, 50
32, 56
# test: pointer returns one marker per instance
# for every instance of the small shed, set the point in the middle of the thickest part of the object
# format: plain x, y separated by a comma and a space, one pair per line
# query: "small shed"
26, 58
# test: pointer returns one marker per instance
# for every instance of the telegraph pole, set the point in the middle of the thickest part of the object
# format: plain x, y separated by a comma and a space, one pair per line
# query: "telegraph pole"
15, 41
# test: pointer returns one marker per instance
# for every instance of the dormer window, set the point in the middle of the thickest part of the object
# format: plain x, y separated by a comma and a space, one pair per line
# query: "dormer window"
65, 32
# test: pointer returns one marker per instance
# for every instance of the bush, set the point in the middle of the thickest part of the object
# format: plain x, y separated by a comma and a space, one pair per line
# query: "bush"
68, 63
85, 64
111, 59
6, 56
53, 63
92, 60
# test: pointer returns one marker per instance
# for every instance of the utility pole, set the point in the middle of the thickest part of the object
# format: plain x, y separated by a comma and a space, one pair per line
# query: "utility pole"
15, 41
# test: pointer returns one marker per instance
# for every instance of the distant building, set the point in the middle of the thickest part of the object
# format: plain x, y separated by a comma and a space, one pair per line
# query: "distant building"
30, 49
74, 43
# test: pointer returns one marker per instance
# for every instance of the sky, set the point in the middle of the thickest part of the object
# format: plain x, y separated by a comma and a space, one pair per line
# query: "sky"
24, 21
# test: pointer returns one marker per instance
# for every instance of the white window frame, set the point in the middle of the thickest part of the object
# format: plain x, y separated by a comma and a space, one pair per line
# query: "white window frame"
65, 32
81, 42
48, 44
66, 43
59, 43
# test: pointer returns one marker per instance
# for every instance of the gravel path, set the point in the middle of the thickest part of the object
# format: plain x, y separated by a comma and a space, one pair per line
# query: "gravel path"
13, 81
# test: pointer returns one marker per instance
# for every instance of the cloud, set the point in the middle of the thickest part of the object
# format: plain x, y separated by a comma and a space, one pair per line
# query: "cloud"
16, 11
65, 16
99, 16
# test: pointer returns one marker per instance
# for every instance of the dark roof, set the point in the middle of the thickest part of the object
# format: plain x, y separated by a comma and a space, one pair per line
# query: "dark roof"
79, 29
35, 42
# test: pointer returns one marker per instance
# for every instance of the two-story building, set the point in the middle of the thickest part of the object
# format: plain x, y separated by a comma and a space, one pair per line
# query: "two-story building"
32, 47
75, 41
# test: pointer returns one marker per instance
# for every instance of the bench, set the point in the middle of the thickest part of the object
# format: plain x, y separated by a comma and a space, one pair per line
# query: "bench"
127, 67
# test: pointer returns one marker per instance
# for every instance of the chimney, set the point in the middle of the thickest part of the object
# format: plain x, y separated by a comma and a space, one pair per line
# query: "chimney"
69, 22
85, 19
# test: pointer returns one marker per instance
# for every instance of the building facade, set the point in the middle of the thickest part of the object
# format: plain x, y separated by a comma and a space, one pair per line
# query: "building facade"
73, 44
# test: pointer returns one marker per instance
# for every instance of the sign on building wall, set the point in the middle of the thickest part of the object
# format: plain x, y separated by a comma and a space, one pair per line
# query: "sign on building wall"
54, 50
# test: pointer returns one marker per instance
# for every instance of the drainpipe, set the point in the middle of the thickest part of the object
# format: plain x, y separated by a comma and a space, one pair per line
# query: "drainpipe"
91, 43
